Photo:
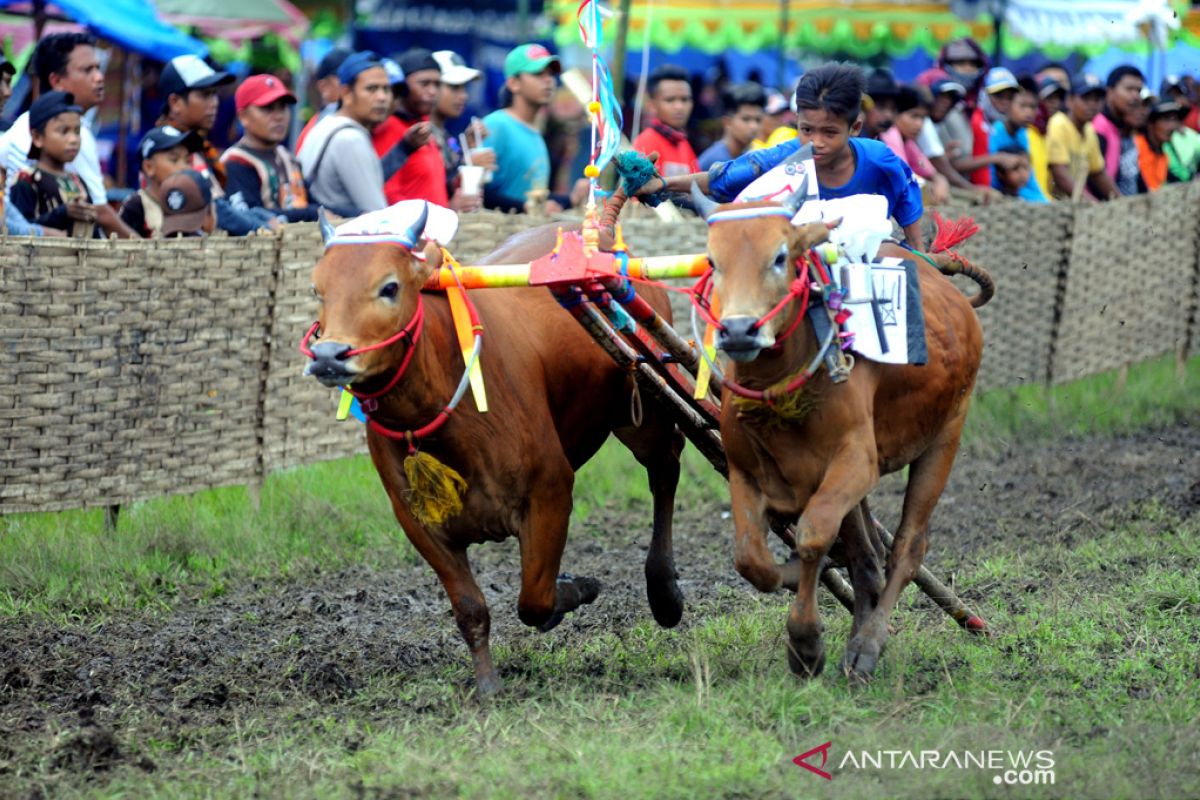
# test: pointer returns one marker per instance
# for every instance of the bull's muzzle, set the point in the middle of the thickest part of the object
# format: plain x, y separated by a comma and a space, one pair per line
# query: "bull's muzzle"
741, 338
330, 364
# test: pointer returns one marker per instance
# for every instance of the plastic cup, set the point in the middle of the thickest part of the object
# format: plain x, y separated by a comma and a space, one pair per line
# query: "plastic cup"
471, 177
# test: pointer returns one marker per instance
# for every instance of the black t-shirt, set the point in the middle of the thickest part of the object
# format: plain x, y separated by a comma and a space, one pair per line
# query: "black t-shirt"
41, 197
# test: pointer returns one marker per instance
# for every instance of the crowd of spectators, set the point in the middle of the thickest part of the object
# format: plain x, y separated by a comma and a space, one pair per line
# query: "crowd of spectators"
382, 134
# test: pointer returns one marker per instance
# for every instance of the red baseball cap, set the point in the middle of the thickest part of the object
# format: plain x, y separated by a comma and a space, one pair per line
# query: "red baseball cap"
261, 90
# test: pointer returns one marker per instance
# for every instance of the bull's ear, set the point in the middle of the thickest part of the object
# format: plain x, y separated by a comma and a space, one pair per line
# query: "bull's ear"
326, 226
423, 268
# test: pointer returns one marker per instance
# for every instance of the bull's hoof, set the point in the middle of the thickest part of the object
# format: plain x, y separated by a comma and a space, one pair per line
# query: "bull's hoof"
862, 655
551, 623
570, 593
662, 590
488, 686
806, 657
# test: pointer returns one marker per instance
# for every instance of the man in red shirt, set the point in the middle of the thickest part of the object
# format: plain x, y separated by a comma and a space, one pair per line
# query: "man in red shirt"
412, 161
670, 101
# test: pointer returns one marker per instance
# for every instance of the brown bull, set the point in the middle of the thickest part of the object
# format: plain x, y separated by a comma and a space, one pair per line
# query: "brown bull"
554, 396
821, 466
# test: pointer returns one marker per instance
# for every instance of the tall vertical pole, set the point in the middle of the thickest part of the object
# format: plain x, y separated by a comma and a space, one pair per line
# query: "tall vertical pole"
999, 11
620, 48
523, 20
781, 72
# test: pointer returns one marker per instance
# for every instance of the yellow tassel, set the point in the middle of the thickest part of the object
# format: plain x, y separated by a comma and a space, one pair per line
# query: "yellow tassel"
790, 408
434, 490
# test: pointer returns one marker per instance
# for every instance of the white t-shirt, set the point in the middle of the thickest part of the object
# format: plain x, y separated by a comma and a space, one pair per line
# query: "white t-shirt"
14, 153
928, 140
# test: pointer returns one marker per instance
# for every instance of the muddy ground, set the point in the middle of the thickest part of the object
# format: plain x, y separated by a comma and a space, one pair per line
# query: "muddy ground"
172, 675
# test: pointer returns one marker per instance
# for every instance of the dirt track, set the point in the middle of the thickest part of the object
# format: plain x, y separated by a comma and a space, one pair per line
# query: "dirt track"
175, 674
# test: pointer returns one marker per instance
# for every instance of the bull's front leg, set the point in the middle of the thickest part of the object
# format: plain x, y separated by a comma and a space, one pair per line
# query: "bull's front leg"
847, 480
751, 556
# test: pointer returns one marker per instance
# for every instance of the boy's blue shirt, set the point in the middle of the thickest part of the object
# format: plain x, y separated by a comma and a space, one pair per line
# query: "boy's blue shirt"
1000, 138
877, 170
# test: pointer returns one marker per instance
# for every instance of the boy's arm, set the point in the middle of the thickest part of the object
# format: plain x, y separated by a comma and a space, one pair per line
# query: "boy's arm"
24, 199
1101, 184
110, 222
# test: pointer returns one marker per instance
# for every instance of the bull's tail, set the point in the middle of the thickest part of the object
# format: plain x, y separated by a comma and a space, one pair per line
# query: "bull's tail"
951, 263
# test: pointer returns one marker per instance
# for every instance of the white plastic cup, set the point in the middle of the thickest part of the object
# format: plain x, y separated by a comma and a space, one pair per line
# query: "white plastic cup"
471, 177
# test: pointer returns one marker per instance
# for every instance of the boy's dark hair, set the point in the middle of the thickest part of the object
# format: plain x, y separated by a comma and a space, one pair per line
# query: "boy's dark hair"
54, 51
835, 87
1026, 83
744, 94
667, 72
1123, 71
910, 97
1012, 149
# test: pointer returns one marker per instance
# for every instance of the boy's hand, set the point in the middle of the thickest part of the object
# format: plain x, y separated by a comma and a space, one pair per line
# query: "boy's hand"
81, 212
1007, 160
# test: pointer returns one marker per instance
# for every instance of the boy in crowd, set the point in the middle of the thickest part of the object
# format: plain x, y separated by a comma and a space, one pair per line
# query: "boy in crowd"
778, 123
669, 101
188, 208
1116, 123
47, 194
67, 62
1072, 147
164, 151
1016, 180
260, 173
1162, 157
742, 121
1013, 130
451, 104
911, 106
7, 72
828, 108
338, 159
522, 159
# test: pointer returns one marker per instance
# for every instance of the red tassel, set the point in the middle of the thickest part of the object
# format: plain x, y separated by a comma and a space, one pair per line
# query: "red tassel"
952, 233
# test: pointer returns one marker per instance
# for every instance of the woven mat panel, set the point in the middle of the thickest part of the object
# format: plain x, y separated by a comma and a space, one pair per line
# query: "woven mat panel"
1132, 272
481, 232
1025, 248
299, 424
137, 368
647, 236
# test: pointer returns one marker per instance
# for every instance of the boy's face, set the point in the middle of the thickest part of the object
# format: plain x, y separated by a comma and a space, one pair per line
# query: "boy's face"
910, 122
422, 93
828, 133
1013, 179
1002, 101
5, 87
60, 138
1056, 102
1163, 127
451, 101
195, 110
536, 89
1024, 109
165, 163
673, 103
744, 126
1084, 108
267, 123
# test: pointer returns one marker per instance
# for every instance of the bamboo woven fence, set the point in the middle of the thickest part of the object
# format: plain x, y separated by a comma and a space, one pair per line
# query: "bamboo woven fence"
149, 369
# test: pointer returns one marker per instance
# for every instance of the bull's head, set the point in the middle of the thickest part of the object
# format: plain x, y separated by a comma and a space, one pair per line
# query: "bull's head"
753, 251
367, 294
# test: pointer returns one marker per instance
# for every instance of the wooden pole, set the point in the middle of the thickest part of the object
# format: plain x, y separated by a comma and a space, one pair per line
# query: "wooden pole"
620, 50
781, 70
123, 100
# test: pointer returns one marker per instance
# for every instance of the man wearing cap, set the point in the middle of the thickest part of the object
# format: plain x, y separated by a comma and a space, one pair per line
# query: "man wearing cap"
187, 203
337, 158
1116, 123
522, 158
1163, 157
163, 151
451, 104
260, 171
422, 176
67, 62
329, 89
191, 89
1072, 147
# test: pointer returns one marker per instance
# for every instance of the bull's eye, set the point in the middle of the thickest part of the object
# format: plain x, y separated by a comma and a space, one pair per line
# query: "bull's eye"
780, 260
389, 290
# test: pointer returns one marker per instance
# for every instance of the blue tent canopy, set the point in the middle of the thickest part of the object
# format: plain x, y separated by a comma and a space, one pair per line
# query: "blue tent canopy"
133, 24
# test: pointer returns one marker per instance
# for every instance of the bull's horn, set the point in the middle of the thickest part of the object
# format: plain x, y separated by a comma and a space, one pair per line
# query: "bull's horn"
796, 199
417, 228
326, 226
702, 203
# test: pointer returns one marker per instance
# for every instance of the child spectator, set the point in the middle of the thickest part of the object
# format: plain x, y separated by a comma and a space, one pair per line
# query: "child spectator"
912, 111
187, 203
779, 122
669, 100
260, 172
1072, 147
7, 71
1015, 130
1015, 179
1159, 155
47, 194
742, 122
164, 151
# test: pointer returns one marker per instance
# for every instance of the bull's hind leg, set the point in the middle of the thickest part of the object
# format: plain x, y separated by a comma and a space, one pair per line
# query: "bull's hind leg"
546, 596
926, 479
657, 447
864, 563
